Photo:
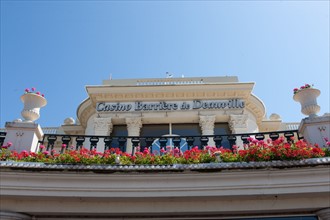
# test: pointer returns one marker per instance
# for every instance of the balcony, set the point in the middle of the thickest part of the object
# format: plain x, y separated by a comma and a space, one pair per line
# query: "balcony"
296, 189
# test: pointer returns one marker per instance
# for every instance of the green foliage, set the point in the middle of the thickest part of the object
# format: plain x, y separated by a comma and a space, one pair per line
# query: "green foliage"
254, 151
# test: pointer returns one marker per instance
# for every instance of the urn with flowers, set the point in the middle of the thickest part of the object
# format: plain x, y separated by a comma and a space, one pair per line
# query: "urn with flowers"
307, 96
33, 101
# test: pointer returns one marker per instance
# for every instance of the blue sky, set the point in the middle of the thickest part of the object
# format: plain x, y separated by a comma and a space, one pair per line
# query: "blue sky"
61, 46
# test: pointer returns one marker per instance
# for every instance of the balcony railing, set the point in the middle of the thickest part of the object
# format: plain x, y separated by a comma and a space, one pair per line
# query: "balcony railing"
156, 143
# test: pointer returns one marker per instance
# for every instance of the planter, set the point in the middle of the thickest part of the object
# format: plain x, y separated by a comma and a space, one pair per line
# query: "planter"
307, 98
32, 104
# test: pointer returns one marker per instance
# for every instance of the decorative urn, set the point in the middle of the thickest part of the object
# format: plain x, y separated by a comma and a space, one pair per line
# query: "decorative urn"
307, 98
32, 104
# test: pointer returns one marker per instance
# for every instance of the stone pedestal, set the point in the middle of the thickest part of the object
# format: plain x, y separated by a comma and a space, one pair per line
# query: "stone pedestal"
207, 126
134, 125
316, 129
102, 127
23, 136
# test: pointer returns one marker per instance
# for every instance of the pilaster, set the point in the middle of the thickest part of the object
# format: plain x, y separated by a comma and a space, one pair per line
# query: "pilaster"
206, 122
134, 124
238, 125
102, 127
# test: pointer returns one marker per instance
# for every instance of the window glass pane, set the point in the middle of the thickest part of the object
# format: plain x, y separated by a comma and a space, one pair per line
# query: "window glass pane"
222, 129
118, 130
154, 130
187, 130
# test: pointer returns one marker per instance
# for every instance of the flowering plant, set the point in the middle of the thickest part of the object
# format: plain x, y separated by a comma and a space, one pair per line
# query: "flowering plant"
306, 86
255, 150
33, 91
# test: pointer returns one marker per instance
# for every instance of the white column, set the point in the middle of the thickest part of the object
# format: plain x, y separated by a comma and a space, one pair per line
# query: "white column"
102, 126
23, 136
238, 125
206, 122
134, 125
323, 214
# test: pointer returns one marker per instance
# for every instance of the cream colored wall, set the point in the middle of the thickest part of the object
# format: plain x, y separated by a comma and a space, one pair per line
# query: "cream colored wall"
90, 125
252, 126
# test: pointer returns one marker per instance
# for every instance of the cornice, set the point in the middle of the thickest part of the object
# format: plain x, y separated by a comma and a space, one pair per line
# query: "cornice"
225, 183
257, 108
84, 111
186, 191
169, 92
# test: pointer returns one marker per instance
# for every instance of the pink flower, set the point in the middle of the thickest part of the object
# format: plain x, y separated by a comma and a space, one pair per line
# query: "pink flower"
42, 95
9, 144
46, 152
42, 147
25, 153
306, 86
33, 89
63, 145
326, 139
38, 93
27, 90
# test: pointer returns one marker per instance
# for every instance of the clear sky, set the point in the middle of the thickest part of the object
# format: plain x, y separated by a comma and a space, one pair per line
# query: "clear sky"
61, 46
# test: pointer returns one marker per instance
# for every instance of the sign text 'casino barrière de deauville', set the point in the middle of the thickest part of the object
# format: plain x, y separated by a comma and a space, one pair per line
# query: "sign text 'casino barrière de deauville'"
169, 106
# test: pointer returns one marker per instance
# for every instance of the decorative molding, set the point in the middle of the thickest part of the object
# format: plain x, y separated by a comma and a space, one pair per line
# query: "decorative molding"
272, 190
237, 122
171, 93
166, 95
86, 114
207, 124
103, 126
133, 125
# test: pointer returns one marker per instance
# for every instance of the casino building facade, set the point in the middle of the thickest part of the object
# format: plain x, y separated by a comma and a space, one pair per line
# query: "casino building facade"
172, 106
166, 108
